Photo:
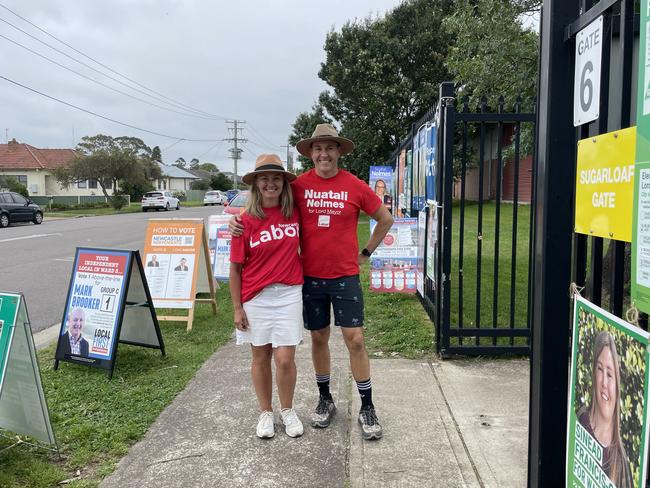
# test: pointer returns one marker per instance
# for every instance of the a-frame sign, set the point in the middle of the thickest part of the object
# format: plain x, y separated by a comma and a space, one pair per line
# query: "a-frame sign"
23, 408
108, 302
178, 266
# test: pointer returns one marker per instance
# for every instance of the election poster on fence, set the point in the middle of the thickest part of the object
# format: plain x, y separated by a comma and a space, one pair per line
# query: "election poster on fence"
23, 407
219, 238
393, 265
641, 212
432, 242
607, 426
380, 179
104, 286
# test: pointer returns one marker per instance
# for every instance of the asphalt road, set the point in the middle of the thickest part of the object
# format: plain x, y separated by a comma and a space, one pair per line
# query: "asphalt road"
37, 259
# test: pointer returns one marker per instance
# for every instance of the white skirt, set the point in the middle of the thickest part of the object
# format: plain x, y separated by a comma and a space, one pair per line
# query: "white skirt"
274, 317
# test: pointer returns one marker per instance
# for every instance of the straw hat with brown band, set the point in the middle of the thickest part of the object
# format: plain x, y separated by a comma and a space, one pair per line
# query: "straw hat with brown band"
265, 163
324, 132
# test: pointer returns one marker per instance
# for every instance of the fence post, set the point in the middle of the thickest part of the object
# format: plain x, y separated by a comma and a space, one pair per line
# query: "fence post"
552, 249
447, 126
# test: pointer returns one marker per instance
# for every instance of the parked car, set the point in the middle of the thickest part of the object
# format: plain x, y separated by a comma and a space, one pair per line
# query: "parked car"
160, 200
236, 206
214, 197
16, 208
230, 194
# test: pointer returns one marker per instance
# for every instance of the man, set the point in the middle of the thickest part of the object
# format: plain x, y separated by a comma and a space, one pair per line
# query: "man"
182, 266
72, 341
329, 200
154, 263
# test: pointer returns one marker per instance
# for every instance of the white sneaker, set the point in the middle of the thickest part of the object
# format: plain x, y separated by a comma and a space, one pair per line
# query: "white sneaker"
265, 426
292, 424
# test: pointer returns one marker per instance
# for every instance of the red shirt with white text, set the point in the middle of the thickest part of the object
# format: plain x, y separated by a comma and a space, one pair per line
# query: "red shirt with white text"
268, 251
329, 214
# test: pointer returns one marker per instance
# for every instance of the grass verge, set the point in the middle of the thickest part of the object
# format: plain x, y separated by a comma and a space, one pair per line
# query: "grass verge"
96, 420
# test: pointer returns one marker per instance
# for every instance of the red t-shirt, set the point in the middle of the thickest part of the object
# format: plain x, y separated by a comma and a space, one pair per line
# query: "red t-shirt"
329, 214
268, 250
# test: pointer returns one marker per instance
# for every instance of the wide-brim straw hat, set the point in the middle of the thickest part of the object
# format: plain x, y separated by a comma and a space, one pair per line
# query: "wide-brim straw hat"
324, 132
265, 163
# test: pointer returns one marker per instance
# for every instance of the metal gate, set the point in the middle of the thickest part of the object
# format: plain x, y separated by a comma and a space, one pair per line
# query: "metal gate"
485, 228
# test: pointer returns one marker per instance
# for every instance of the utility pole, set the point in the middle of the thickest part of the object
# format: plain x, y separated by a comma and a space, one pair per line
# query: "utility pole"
235, 151
289, 158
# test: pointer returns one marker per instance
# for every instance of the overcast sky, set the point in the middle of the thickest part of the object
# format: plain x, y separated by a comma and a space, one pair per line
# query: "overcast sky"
250, 60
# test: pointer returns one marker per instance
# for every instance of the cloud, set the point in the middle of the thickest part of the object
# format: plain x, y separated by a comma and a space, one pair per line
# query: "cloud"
251, 60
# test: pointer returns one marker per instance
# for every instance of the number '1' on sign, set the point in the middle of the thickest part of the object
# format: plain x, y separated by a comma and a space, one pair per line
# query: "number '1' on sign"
586, 84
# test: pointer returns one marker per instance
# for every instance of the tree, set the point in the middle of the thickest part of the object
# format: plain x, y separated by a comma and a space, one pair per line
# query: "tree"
12, 184
194, 164
180, 162
110, 161
212, 168
384, 75
304, 126
494, 54
200, 185
156, 155
220, 182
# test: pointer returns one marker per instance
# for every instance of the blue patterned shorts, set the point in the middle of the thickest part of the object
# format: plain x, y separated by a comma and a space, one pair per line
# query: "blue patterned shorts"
343, 294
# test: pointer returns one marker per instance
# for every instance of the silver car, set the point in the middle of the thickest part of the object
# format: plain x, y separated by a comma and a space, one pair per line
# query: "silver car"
214, 197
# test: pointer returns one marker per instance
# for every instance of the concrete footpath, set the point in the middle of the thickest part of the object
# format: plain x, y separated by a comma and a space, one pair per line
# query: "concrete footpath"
455, 423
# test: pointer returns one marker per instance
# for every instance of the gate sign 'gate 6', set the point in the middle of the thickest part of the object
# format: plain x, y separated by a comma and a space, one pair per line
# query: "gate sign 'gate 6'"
586, 84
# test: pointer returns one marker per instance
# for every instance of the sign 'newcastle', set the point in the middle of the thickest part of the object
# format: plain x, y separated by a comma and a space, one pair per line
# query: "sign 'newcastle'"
586, 85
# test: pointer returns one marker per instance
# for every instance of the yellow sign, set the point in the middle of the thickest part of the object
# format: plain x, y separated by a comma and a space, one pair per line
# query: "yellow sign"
605, 185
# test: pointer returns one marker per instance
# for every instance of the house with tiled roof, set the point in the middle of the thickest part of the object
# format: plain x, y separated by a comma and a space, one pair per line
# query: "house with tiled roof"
33, 168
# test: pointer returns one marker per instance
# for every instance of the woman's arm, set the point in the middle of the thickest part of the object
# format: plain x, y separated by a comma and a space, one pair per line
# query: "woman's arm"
241, 322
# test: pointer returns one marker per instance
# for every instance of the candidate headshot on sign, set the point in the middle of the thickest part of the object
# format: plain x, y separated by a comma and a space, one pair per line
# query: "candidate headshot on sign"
73, 341
153, 263
182, 266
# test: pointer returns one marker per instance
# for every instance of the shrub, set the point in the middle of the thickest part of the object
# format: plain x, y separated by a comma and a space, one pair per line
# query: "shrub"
180, 195
118, 201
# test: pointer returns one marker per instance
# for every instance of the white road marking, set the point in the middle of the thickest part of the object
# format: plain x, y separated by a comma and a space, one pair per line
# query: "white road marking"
28, 237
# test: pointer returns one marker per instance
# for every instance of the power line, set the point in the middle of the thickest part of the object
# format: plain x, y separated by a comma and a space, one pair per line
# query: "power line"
96, 70
107, 67
102, 84
102, 116
220, 143
266, 141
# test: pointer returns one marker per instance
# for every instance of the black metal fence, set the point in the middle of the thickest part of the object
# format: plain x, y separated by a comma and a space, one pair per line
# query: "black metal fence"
486, 228
600, 266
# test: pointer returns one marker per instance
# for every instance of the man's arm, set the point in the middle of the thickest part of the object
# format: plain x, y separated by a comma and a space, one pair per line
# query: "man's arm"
235, 226
384, 223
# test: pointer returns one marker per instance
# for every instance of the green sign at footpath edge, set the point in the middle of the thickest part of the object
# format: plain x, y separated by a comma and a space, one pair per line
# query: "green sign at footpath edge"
641, 206
23, 408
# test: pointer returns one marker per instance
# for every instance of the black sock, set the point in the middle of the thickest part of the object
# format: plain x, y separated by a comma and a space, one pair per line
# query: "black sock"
365, 392
323, 382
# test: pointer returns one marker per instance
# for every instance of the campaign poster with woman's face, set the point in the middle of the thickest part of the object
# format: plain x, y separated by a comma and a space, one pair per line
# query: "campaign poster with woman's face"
607, 410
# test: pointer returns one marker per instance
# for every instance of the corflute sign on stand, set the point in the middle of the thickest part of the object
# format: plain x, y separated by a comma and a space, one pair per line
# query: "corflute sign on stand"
108, 302
23, 408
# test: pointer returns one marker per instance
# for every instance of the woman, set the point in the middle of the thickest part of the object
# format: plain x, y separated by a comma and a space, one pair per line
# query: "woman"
602, 419
266, 288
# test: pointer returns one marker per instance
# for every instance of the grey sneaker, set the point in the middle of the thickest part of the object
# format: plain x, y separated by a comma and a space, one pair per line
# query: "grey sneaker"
370, 428
324, 412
